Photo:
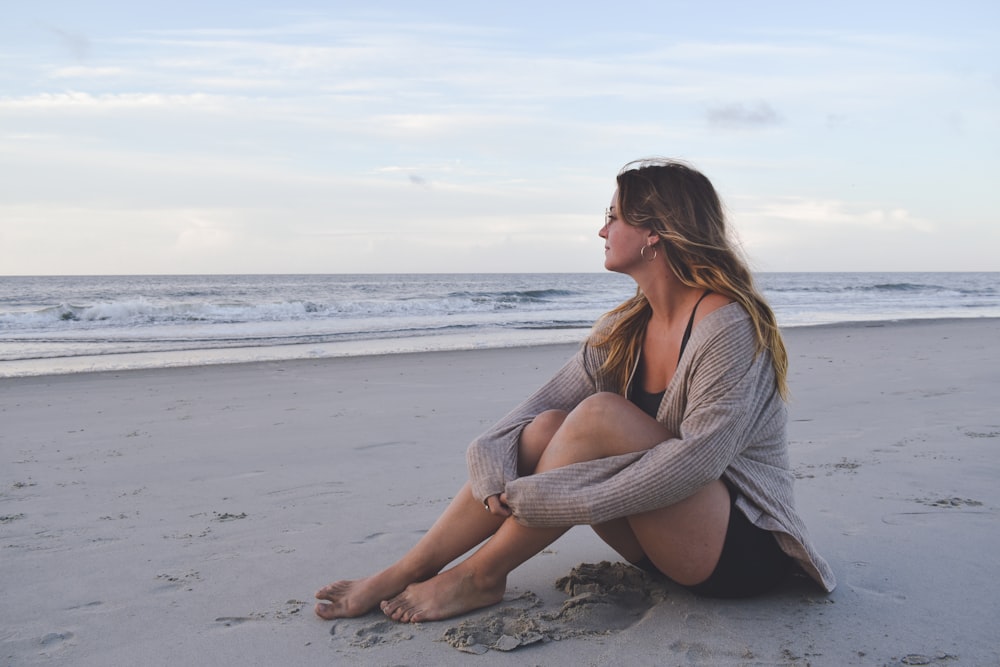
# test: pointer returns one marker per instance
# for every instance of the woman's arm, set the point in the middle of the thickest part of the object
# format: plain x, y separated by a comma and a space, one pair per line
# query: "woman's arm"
492, 457
728, 395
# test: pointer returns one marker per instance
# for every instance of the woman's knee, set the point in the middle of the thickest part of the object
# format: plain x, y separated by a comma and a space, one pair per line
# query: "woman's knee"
538, 433
543, 427
597, 407
535, 437
607, 424
603, 400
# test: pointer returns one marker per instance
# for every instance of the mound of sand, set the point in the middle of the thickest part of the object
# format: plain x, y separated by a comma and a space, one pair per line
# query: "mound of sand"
603, 598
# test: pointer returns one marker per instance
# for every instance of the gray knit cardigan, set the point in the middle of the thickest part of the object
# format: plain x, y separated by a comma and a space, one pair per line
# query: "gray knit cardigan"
723, 404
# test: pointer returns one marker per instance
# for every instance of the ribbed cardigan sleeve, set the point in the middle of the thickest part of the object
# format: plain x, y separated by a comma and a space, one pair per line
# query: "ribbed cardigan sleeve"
492, 458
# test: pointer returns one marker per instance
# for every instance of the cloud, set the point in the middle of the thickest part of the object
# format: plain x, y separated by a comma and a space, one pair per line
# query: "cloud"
86, 72
827, 234
78, 101
836, 120
740, 116
829, 213
200, 234
77, 44
810, 234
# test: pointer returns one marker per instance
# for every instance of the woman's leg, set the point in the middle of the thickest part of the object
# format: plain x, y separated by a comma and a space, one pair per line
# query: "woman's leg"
535, 437
461, 527
684, 540
679, 540
478, 581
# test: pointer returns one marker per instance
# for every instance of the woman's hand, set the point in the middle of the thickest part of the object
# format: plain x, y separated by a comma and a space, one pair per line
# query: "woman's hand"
497, 505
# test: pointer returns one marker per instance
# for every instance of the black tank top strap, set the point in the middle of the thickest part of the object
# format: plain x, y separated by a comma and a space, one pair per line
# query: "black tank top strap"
687, 332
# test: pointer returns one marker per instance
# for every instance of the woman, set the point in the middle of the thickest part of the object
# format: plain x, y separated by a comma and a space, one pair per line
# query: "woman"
665, 433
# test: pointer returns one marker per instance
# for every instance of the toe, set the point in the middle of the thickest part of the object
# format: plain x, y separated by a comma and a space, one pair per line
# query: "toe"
324, 611
394, 609
335, 592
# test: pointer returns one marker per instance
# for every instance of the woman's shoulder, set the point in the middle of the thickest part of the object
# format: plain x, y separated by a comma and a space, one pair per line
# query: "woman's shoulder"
711, 303
727, 324
720, 313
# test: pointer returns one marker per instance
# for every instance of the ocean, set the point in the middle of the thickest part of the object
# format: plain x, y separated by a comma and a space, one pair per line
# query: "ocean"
65, 324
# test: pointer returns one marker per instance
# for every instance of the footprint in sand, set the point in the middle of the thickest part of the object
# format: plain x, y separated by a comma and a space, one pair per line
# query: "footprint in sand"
954, 509
292, 607
920, 659
982, 434
949, 502
230, 621
174, 582
86, 605
55, 638
55, 641
379, 632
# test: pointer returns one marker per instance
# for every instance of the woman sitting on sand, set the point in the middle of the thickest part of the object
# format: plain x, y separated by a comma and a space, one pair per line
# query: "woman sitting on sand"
665, 432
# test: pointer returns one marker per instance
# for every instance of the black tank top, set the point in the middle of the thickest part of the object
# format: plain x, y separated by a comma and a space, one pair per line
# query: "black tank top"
650, 402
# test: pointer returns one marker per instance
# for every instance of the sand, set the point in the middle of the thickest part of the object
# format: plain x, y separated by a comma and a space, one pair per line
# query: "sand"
186, 516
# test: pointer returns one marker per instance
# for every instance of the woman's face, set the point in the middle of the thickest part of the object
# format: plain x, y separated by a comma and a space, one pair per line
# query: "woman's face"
623, 242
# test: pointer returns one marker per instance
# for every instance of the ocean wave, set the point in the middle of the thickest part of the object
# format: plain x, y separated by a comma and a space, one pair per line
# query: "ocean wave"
52, 345
880, 287
903, 287
137, 312
141, 311
520, 296
62, 317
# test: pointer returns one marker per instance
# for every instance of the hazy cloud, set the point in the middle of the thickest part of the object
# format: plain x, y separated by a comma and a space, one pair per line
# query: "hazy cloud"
85, 72
836, 120
86, 101
77, 44
741, 116
809, 212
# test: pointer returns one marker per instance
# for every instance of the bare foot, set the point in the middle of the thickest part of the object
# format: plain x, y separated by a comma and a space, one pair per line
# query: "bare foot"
350, 598
450, 593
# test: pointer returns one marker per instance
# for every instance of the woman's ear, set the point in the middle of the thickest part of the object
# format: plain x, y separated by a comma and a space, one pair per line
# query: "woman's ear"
652, 238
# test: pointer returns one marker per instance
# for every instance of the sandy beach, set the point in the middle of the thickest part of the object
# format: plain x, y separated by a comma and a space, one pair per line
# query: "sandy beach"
187, 515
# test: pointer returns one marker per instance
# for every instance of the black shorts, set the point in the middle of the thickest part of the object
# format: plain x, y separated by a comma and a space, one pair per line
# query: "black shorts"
750, 564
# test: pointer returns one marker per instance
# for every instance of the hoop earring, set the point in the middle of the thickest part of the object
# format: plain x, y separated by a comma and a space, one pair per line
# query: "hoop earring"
642, 253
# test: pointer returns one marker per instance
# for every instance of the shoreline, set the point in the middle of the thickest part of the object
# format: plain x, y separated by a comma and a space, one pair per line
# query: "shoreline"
186, 515
391, 347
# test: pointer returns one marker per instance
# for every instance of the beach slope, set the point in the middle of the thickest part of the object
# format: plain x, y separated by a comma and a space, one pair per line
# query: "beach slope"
186, 516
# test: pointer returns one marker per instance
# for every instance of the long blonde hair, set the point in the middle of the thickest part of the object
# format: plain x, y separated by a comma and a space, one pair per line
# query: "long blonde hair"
681, 206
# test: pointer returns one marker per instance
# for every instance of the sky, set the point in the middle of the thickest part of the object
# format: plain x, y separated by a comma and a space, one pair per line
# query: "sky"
309, 136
